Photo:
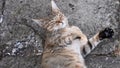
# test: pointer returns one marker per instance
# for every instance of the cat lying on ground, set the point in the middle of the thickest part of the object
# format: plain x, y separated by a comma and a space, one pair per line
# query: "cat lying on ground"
65, 45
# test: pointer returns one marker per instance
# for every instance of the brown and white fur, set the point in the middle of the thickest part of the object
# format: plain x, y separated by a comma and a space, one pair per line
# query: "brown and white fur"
65, 45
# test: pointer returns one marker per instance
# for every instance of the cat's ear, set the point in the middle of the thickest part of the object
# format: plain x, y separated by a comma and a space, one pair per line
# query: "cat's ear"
40, 22
55, 9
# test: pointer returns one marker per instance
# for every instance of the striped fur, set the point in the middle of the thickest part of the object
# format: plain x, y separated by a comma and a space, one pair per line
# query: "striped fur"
66, 46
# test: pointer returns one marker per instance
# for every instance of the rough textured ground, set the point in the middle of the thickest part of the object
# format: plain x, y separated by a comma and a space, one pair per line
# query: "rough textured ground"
20, 38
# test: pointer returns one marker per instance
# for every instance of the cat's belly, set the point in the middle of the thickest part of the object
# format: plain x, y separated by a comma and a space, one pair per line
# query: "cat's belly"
63, 61
70, 56
75, 47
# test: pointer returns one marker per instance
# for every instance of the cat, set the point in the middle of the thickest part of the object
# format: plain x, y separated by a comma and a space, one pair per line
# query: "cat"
66, 46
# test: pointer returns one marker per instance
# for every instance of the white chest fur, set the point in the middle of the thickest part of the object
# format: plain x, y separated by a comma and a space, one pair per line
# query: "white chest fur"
75, 46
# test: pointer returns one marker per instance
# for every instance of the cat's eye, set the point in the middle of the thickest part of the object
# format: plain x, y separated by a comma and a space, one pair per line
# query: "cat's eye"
78, 38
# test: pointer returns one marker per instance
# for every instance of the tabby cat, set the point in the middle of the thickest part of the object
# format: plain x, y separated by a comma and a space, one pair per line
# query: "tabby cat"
65, 45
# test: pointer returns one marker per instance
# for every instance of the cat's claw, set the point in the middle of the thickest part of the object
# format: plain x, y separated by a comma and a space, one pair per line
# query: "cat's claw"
106, 33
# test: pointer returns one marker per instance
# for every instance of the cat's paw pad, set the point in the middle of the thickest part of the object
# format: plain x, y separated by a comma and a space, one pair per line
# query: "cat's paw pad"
106, 33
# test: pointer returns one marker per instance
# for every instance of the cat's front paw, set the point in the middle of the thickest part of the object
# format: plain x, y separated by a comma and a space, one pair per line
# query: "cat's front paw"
106, 33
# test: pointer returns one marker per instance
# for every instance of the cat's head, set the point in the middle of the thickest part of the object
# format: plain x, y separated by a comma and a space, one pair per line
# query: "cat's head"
58, 22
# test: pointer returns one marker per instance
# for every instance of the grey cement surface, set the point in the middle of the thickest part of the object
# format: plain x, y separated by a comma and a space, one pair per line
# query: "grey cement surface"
21, 38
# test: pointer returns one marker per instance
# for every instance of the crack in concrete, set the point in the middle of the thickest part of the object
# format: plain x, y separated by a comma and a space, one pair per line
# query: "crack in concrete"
107, 55
3, 7
2, 10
